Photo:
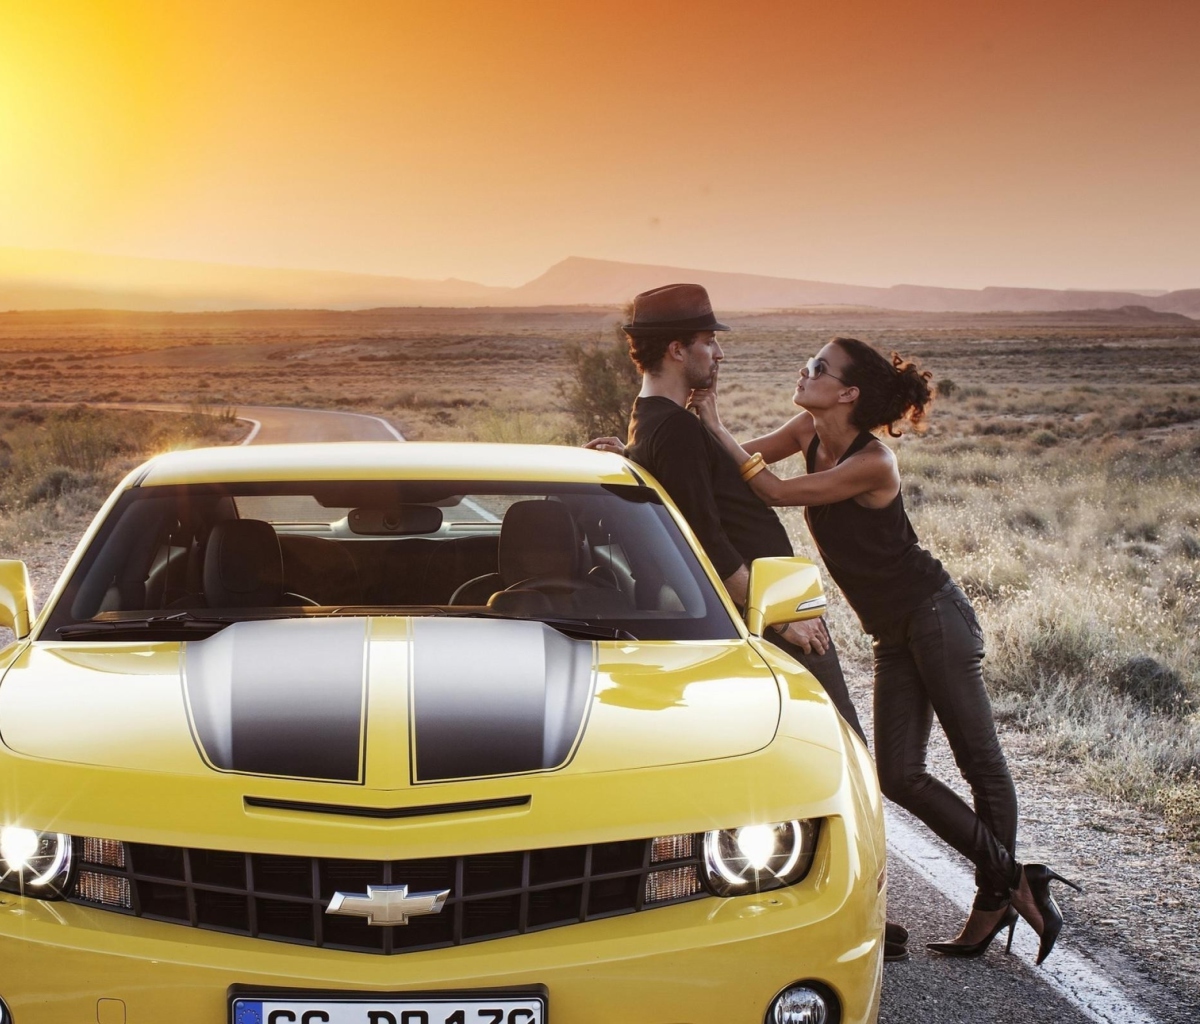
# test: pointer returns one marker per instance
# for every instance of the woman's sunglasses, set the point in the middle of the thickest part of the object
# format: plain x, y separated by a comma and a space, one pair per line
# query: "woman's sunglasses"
816, 367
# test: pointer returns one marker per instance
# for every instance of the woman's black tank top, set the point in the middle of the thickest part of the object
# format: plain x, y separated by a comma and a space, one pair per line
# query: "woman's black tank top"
872, 553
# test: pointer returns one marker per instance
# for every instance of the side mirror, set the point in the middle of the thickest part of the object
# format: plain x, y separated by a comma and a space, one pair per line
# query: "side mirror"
15, 597
782, 590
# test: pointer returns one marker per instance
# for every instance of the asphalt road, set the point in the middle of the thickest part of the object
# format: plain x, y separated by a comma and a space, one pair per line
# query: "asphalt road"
928, 885
930, 889
274, 425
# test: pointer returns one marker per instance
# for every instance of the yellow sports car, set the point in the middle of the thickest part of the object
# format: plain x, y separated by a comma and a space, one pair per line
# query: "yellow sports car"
422, 734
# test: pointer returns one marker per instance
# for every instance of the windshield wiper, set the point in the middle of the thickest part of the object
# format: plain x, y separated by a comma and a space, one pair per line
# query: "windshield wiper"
185, 622
571, 627
580, 628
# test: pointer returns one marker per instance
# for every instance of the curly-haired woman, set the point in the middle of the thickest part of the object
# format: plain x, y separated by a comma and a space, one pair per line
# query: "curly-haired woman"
928, 645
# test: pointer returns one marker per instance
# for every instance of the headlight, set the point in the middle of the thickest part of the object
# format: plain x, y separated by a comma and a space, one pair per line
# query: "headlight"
34, 863
757, 858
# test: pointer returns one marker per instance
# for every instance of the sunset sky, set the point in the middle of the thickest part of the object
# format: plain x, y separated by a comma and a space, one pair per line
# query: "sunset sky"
1051, 143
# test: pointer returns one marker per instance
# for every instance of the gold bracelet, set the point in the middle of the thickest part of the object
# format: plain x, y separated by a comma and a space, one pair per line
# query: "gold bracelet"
751, 464
754, 472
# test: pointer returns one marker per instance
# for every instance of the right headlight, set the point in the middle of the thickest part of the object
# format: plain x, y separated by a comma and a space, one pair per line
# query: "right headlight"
34, 863
758, 858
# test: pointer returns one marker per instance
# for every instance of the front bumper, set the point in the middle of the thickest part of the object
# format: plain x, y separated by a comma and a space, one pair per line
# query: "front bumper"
712, 961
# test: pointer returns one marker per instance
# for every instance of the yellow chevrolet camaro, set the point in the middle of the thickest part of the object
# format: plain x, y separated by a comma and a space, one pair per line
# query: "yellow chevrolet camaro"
422, 734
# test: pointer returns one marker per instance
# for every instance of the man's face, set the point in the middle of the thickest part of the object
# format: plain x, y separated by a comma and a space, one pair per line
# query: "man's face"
702, 359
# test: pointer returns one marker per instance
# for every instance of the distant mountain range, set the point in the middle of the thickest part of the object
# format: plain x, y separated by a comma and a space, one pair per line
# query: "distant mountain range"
52, 279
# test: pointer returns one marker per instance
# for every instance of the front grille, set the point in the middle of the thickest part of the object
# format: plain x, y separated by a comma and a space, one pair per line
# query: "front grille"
284, 898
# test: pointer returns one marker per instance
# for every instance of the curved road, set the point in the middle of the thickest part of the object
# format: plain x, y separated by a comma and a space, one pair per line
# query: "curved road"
279, 425
928, 886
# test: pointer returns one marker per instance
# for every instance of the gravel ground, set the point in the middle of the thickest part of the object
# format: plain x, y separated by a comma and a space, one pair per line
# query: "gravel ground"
1139, 916
45, 563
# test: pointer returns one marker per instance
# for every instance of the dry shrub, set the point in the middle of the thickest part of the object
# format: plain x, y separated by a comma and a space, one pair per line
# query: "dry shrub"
1152, 685
84, 439
57, 481
515, 426
1181, 807
601, 388
54, 453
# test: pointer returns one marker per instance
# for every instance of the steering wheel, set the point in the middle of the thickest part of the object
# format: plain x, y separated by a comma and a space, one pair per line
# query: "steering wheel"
302, 601
551, 584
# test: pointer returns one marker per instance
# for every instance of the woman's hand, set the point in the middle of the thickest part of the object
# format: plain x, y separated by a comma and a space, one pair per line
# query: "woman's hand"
607, 444
703, 402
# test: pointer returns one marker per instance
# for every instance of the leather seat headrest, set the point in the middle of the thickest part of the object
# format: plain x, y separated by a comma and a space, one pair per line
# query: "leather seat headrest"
243, 567
537, 538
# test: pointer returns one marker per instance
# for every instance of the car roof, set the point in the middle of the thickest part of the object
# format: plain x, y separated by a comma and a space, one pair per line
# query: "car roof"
385, 461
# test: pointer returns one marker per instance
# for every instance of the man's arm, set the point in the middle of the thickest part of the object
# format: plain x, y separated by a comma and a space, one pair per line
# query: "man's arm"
737, 585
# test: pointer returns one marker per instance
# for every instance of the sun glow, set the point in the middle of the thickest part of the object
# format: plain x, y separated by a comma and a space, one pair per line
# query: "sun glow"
88, 116
934, 142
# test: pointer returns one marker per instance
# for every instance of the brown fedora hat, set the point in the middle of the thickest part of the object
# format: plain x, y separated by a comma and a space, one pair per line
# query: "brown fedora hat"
674, 307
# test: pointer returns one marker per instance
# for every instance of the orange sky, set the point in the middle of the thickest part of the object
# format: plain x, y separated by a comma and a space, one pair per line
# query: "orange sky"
953, 142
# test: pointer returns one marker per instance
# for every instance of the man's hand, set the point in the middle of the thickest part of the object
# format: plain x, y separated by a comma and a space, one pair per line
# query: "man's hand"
703, 402
607, 444
810, 636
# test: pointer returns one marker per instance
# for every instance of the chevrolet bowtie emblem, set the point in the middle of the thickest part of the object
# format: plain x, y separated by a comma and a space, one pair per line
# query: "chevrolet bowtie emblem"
387, 904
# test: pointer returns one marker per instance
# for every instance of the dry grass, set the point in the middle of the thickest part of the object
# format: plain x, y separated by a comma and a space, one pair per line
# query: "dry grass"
1072, 518
57, 465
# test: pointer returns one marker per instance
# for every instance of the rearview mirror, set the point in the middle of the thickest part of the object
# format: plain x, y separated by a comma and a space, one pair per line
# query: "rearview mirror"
15, 597
782, 590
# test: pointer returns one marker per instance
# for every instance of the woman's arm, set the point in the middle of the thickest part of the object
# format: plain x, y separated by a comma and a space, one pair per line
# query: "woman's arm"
788, 439
784, 441
704, 403
869, 473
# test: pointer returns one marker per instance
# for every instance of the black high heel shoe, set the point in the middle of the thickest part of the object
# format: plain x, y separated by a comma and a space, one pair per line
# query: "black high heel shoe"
1037, 879
969, 949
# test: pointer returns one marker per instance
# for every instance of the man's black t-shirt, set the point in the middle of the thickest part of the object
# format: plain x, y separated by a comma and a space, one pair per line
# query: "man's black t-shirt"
732, 523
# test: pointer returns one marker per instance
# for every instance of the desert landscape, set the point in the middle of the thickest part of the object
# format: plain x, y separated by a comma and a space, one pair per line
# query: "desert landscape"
1057, 481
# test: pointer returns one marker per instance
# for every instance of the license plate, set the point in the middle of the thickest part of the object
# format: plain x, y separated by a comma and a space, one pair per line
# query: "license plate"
450, 1009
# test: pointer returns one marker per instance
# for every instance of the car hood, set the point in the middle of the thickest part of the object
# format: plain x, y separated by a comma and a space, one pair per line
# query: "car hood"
388, 703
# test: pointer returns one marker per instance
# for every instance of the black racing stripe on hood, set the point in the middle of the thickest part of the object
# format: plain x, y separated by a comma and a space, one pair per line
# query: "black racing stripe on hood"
495, 698
282, 697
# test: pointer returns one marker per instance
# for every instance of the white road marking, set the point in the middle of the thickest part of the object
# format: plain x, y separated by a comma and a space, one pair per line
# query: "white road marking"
483, 513
257, 426
387, 426
1069, 973
335, 412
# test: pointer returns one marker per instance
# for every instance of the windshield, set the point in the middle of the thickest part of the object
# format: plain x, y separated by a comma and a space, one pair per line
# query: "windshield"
179, 561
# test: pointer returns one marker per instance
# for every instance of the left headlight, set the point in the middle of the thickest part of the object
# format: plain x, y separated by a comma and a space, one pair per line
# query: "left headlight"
758, 858
34, 863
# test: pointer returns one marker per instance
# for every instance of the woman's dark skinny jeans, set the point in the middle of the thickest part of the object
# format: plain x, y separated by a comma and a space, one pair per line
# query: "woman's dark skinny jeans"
927, 664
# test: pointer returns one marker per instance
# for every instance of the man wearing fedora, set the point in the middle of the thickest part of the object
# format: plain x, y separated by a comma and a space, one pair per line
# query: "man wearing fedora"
673, 342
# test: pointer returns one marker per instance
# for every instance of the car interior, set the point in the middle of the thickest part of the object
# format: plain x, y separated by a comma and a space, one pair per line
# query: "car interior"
580, 552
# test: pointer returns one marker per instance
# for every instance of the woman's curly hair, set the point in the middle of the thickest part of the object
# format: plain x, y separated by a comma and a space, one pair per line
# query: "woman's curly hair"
890, 391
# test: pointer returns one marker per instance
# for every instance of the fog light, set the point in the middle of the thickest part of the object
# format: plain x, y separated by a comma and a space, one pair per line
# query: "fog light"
799, 1004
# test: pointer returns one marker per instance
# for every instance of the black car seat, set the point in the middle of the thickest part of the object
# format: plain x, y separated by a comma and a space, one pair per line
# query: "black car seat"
321, 569
538, 539
243, 567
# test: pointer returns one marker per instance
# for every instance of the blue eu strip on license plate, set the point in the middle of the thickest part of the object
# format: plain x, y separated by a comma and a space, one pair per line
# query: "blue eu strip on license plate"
389, 1010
